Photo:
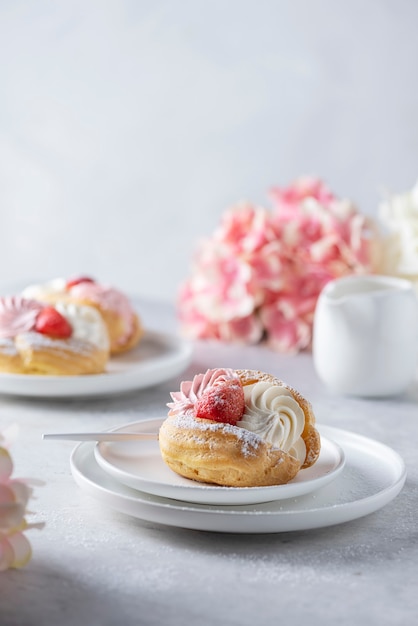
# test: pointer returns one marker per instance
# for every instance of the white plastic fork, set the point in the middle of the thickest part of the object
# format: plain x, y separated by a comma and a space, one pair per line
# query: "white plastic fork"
100, 436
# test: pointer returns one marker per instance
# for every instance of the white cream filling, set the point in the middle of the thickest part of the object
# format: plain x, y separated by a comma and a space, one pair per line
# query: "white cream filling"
86, 322
51, 288
272, 413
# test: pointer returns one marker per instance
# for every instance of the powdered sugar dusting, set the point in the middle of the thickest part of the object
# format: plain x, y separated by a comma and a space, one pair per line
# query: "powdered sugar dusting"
65, 347
7, 346
250, 442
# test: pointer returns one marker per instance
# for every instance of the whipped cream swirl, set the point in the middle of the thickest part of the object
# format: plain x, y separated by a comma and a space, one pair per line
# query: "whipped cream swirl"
109, 299
272, 413
46, 290
86, 322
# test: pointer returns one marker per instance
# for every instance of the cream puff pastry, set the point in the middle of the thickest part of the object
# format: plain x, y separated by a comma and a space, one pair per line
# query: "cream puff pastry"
122, 322
238, 428
64, 339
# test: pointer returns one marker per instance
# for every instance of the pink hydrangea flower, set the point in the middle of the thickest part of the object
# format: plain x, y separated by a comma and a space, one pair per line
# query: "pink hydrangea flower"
15, 549
261, 272
304, 188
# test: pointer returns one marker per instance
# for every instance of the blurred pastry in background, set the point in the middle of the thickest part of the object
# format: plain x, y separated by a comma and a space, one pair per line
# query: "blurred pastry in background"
122, 321
64, 339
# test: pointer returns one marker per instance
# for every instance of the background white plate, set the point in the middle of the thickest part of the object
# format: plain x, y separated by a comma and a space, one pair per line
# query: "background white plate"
373, 475
138, 464
158, 357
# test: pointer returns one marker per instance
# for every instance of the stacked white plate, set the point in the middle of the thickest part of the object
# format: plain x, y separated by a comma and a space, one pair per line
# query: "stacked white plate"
354, 476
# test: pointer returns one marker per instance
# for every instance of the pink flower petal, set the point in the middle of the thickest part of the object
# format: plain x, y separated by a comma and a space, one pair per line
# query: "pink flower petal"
11, 515
22, 492
6, 464
22, 550
15, 550
6, 554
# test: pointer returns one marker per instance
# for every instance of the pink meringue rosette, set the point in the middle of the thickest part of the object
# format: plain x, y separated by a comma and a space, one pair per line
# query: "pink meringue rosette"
191, 390
17, 315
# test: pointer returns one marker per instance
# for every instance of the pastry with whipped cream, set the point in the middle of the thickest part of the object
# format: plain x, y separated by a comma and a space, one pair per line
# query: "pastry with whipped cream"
238, 428
64, 339
123, 324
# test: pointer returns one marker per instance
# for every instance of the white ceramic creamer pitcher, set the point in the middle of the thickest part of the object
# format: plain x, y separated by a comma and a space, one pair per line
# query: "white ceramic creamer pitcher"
365, 335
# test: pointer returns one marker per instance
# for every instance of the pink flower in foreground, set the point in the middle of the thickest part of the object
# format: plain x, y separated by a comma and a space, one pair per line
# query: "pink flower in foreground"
15, 549
261, 272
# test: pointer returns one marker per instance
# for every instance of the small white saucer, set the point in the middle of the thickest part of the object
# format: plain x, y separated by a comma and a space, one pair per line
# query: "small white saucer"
138, 464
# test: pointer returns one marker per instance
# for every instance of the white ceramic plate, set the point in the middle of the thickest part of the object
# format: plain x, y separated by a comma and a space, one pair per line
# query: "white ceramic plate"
373, 475
157, 358
138, 464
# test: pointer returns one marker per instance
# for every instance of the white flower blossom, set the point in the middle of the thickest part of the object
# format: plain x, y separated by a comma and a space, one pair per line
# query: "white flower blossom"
399, 213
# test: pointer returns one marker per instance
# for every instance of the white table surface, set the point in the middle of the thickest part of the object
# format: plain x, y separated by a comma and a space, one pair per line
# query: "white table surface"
92, 565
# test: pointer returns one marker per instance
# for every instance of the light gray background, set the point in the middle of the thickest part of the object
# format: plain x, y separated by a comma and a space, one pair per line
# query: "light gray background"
128, 126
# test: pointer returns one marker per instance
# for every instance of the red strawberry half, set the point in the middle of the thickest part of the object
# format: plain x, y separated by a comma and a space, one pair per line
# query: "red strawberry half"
224, 402
77, 280
50, 322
